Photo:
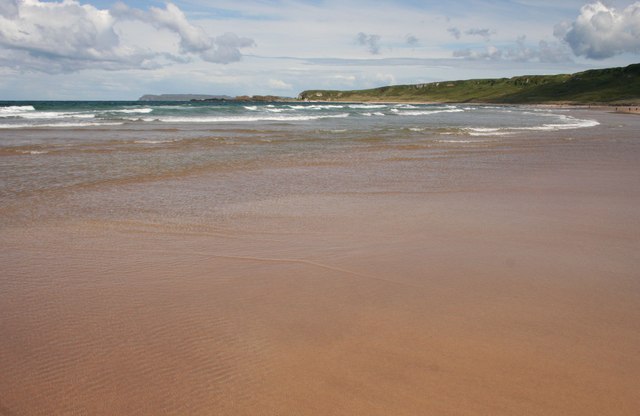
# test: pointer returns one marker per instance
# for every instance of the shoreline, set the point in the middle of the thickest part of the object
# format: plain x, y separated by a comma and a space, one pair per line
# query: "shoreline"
594, 106
628, 109
609, 108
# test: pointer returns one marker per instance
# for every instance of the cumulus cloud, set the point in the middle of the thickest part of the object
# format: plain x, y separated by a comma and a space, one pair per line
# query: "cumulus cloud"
601, 32
483, 33
193, 39
371, 42
63, 29
9, 8
227, 48
68, 36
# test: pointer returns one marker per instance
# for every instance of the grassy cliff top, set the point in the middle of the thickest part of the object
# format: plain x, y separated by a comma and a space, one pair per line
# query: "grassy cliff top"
597, 86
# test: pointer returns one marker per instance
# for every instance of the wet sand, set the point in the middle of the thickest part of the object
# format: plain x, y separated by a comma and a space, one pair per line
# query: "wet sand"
510, 290
628, 110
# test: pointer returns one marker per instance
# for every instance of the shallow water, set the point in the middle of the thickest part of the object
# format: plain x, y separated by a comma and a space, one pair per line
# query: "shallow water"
394, 264
52, 148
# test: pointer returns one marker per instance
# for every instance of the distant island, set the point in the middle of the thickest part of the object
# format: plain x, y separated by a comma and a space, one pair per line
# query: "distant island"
254, 98
182, 97
612, 86
212, 98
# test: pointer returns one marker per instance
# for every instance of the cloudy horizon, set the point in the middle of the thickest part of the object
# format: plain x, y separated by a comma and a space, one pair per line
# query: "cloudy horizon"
101, 49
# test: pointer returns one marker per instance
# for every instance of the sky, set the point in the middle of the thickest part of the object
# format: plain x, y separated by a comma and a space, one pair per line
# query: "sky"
120, 50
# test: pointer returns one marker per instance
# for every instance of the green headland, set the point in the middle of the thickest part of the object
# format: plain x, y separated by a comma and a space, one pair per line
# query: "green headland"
611, 86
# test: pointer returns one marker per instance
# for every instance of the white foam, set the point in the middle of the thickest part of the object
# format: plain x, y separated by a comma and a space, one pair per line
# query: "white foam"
52, 115
487, 131
32, 126
241, 119
251, 107
315, 107
42, 115
426, 112
495, 133
132, 111
33, 152
15, 109
366, 106
174, 107
483, 129
571, 123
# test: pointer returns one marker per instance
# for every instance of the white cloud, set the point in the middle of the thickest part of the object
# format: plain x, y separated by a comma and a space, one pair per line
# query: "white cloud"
193, 39
277, 84
307, 44
545, 52
63, 32
9, 8
601, 32
521, 51
385, 79
68, 36
345, 78
227, 48
489, 53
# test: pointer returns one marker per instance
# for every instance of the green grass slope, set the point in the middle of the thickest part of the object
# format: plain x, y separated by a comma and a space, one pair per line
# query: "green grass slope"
598, 86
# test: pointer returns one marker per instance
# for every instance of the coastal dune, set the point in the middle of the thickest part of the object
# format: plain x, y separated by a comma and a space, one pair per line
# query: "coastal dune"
489, 280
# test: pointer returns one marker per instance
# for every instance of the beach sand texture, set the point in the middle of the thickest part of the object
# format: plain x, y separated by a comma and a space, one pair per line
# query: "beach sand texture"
504, 282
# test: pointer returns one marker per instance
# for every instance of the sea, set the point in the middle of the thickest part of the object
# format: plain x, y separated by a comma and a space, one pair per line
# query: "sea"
52, 148
246, 258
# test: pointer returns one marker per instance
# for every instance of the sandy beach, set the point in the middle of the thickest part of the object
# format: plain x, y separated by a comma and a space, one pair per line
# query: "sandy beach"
489, 279
628, 110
